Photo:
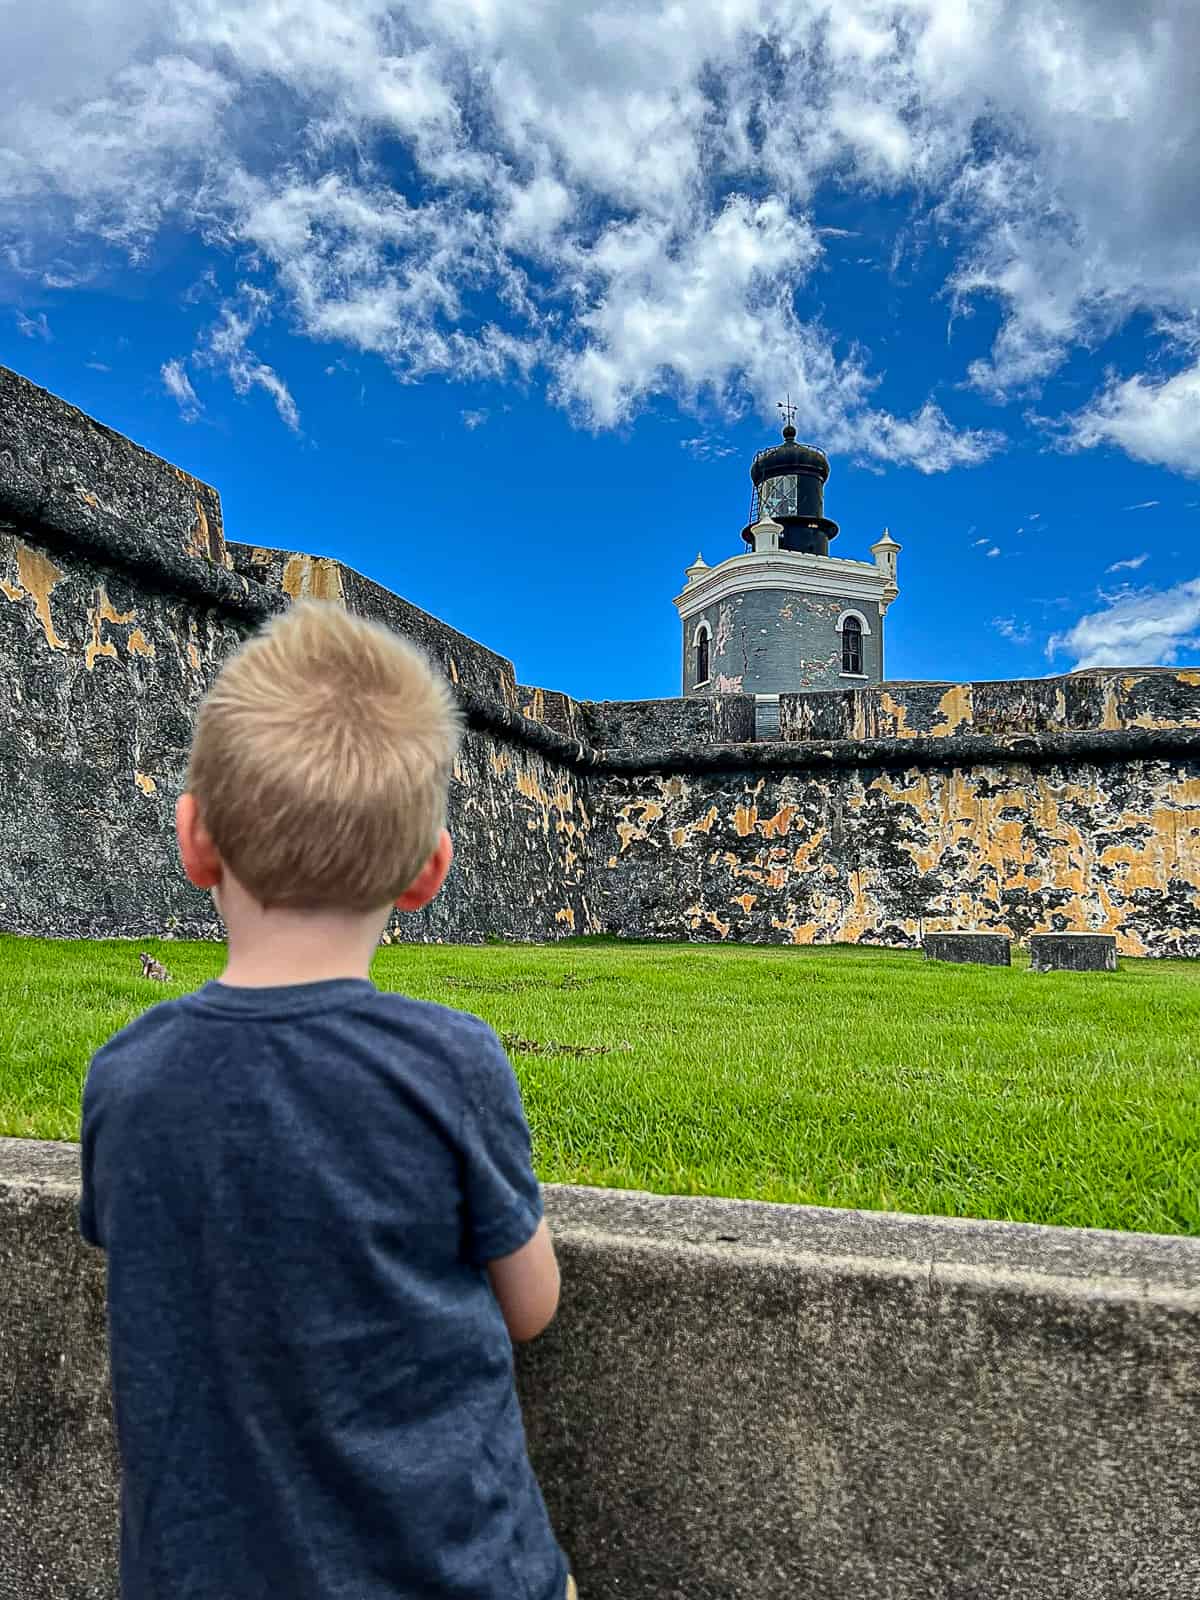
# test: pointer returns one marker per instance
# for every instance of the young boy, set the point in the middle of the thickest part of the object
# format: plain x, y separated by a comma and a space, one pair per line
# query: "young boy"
322, 1223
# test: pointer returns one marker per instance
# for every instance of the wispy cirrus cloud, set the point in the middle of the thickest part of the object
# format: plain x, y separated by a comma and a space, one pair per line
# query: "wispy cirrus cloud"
179, 386
1012, 630
704, 448
225, 347
33, 327
1130, 564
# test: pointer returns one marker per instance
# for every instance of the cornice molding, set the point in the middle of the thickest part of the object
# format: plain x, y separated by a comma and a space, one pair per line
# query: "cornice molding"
793, 574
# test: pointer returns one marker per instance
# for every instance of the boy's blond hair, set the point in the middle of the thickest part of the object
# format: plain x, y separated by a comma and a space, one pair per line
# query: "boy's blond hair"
321, 760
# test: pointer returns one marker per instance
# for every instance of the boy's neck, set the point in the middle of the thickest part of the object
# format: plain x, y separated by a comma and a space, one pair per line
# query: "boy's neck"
251, 973
282, 950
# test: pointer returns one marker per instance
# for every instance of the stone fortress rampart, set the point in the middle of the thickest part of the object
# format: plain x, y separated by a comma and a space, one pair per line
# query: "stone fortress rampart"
877, 815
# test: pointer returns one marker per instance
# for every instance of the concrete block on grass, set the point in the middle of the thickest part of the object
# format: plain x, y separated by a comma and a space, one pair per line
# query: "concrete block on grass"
986, 949
1072, 952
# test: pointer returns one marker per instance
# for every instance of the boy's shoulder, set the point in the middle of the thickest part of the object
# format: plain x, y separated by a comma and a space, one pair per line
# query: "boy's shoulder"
171, 1026
439, 1026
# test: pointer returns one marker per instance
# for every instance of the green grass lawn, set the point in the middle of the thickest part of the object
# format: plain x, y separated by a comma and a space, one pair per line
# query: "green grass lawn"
837, 1077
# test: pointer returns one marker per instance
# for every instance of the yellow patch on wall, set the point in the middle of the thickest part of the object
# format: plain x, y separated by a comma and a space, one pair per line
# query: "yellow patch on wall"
779, 824
199, 542
139, 645
566, 915
36, 578
955, 710
313, 578
744, 818
145, 784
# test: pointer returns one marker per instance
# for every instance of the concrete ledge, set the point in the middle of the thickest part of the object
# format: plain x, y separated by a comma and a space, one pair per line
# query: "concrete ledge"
738, 1399
986, 949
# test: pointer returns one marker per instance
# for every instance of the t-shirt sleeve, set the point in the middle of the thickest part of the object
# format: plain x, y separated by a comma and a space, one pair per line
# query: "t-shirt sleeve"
503, 1197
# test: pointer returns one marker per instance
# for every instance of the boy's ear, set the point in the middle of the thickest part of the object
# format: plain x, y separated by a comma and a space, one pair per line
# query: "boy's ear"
200, 860
430, 878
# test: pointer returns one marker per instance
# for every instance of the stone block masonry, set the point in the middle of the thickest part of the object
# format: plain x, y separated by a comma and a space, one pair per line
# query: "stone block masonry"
983, 949
1073, 952
878, 815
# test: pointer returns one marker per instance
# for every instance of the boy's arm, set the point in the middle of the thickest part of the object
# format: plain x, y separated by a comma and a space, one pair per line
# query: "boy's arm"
505, 1226
526, 1285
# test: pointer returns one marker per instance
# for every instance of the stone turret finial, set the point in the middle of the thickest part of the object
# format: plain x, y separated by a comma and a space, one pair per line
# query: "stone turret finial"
885, 551
767, 534
697, 567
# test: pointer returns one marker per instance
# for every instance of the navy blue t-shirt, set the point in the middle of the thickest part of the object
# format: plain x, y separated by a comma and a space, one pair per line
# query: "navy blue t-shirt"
298, 1189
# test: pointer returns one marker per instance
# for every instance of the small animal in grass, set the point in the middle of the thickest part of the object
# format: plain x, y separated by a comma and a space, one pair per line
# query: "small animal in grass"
154, 969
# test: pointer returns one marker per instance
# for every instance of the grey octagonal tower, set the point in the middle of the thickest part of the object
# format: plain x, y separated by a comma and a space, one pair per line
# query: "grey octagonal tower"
786, 617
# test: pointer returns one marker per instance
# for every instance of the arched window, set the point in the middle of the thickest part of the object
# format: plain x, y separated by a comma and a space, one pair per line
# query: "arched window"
700, 642
852, 646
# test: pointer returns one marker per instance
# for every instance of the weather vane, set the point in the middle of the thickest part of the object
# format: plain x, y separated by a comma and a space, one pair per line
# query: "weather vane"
789, 411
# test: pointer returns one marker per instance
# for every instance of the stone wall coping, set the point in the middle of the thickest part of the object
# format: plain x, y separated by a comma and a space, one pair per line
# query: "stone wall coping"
1067, 1263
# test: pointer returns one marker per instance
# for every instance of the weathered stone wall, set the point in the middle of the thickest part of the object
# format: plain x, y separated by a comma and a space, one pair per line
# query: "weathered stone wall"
118, 603
102, 675
1099, 700
640, 727
863, 851
520, 808
763, 639
119, 600
878, 815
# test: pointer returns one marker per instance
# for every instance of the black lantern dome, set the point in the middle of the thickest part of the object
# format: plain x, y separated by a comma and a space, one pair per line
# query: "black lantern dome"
789, 487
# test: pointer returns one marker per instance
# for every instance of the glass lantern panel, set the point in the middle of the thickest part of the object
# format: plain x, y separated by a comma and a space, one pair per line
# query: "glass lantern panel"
779, 497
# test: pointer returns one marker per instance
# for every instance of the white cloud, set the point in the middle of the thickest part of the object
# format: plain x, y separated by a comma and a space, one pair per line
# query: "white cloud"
177, 383
97, 366
994, 551
926, 440
1144, 505
1155, 422
475, 419
978, 542
1136, 628
33, 327
1130, 565
566, 202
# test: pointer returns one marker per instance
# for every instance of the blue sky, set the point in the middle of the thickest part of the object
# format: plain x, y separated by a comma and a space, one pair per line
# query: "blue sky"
497, 308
